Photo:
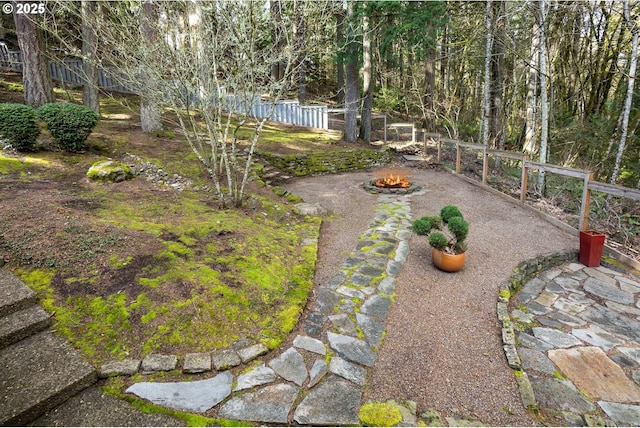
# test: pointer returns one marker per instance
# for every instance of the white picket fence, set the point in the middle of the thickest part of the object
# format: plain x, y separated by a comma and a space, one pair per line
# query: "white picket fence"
285, 111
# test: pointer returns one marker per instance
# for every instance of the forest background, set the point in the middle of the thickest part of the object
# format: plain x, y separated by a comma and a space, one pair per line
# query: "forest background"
550, 78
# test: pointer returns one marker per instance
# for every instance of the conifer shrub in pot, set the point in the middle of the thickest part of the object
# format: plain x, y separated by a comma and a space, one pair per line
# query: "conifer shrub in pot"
18, 126
70, 124
447, 234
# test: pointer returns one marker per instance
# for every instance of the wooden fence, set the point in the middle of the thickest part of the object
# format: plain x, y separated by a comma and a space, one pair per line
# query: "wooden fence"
589, 184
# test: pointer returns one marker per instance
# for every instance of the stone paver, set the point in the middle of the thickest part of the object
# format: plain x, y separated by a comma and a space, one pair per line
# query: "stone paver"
159, 362
290, 366
258, 376
594, 373
197, 362
581, 352
334, 402
198, 396
270, 404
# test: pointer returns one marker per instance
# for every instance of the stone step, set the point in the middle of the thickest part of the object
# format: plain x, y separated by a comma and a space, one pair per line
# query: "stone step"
37, 374
14, 295
18, 325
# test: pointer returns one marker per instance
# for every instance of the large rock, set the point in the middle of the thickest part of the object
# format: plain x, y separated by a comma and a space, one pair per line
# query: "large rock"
109, 171
304, 208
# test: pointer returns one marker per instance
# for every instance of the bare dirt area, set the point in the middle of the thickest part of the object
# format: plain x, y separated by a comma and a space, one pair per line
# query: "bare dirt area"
443, 345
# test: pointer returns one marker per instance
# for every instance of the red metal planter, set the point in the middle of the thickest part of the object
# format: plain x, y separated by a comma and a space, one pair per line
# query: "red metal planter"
591, 246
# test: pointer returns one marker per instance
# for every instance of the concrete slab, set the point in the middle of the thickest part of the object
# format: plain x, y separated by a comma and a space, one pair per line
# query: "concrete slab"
14, 295
39, 373
20, 324
94, 408
595, 374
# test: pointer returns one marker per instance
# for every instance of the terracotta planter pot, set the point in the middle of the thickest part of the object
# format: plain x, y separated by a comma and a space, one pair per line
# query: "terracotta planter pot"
591, 246
447, 262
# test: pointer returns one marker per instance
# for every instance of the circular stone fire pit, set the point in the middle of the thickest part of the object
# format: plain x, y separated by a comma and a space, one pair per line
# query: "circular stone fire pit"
370, 186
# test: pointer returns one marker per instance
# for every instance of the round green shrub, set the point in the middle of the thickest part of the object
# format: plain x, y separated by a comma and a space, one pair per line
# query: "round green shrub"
69, 124
422, 226
436, 221
438, 241
459, 227
449, 211
18, 126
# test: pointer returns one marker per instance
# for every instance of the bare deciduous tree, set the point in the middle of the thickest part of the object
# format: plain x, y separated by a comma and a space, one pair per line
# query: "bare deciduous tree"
207, 78
633, 64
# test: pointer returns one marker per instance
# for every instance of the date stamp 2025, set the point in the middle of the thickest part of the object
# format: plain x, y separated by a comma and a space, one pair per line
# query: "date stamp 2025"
23, 8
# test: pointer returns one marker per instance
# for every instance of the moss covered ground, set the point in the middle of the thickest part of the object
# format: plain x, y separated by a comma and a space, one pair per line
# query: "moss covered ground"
134, 268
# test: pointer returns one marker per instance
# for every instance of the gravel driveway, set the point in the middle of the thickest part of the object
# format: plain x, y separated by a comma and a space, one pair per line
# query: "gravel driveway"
443, 346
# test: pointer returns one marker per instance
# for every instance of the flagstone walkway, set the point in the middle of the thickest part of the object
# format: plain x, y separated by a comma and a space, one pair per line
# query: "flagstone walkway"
578, 336
331, 361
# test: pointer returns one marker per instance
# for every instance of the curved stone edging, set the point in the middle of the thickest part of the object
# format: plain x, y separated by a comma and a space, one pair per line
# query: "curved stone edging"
522, 273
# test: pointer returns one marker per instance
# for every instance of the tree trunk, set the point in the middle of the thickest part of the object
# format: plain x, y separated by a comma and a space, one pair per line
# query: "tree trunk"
339, 60
300, 37
35, 68
150, 114
90, 97
275, 8
367, 81
429, 87
529, 145
486, 105
633, 62
544, 103
496, 126
444, 62
351, 74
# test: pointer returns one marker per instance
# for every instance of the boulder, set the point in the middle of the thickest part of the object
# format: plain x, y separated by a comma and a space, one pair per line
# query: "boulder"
305, 209
109, 171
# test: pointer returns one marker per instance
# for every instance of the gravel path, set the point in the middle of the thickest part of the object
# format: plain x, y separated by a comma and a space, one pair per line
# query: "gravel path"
443, 346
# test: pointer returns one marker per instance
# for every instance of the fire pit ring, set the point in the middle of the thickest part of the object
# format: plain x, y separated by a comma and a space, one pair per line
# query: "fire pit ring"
370, 186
